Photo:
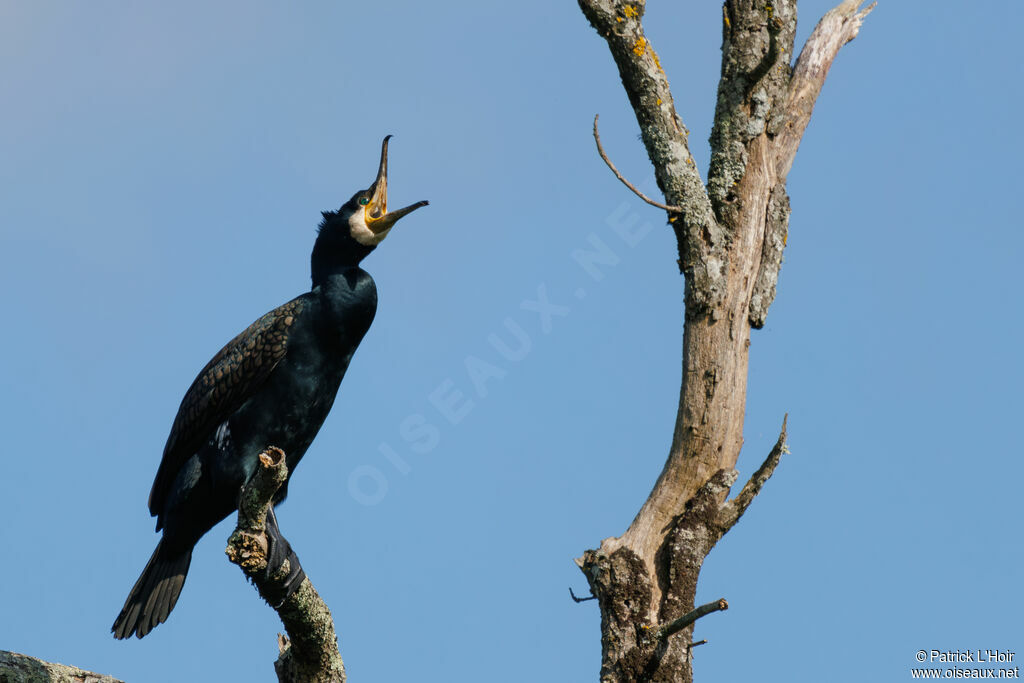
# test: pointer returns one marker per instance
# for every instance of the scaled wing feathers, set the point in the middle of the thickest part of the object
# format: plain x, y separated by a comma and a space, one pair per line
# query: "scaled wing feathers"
227, 381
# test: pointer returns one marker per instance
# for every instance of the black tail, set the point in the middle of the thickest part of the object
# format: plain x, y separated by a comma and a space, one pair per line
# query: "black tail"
154, 594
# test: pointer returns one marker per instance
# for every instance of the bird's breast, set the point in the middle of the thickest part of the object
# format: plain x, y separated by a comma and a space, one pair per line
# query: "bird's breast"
348, 304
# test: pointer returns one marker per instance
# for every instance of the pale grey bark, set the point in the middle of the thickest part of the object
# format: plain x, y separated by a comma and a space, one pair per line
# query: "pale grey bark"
16, 668
731, 234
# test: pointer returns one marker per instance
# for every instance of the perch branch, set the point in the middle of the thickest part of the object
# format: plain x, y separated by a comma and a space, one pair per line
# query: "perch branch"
310, 653
638, 193
690, 617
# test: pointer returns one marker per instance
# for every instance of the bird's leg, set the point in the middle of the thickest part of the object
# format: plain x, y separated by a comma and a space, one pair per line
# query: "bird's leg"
279, 550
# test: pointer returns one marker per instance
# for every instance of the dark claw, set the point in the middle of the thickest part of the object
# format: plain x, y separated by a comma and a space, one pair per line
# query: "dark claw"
279, 550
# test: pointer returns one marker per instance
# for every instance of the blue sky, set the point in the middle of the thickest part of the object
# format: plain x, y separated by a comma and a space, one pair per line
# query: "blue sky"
162, 169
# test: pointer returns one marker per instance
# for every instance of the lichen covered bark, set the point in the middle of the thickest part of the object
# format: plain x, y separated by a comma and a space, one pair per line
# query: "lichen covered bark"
310, 652
17, 668
731, 235
641, 644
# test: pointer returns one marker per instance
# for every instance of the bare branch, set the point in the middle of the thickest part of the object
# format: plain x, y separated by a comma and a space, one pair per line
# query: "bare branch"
638, 193
682, 622
312, 652
255, 500
662, 130
839, 26
732, 510
18, 668
663, 134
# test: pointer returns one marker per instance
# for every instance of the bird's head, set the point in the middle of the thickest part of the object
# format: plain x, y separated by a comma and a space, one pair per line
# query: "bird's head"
367, 214
355, 229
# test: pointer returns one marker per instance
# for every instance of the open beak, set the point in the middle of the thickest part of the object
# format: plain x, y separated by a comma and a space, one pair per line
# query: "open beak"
378, 219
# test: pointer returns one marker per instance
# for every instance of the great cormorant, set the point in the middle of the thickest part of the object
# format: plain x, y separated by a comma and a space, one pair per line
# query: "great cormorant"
272, 385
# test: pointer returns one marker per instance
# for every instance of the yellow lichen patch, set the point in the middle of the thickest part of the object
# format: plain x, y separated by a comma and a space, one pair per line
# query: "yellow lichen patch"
630, 11
659, 101
640, 46
618, 19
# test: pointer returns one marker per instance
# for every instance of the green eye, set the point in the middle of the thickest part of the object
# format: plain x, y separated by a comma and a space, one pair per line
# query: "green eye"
363, 201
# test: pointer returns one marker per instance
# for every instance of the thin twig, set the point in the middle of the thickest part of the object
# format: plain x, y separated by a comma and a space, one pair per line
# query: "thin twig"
573, 595
690, 617
699, 642
638, 193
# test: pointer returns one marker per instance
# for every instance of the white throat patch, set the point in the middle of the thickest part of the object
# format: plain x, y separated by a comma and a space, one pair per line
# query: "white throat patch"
362, 234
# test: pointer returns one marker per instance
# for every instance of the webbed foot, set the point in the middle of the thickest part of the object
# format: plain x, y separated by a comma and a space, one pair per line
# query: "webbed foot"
279, 550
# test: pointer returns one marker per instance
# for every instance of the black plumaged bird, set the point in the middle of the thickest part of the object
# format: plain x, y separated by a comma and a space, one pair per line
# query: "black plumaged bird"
272, 385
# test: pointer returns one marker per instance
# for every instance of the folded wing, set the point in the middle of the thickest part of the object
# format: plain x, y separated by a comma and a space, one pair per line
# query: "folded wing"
227, 381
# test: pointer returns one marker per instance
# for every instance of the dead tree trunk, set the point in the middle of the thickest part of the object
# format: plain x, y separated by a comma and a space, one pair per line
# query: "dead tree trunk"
731, 232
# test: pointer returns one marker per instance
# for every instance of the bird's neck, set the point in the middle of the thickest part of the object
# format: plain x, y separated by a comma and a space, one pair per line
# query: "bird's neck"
334, 255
